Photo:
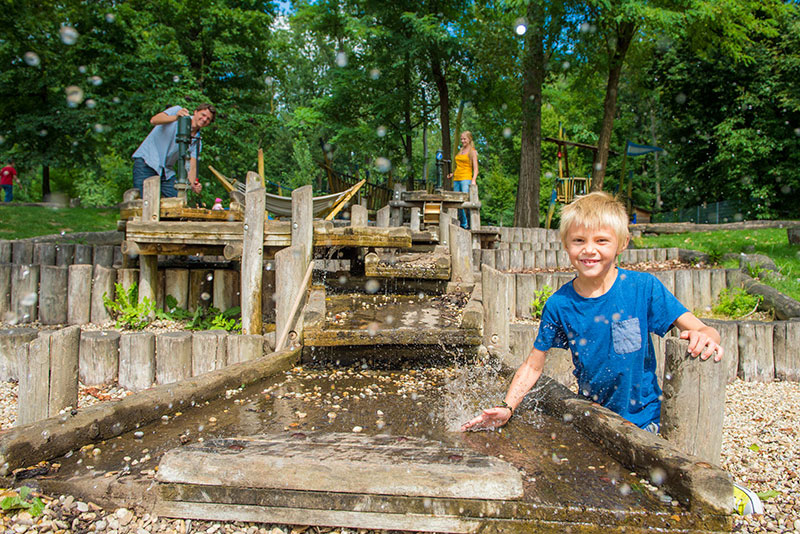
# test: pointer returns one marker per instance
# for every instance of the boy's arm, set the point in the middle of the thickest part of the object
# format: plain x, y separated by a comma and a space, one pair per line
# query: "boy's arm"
524, 379
703, 339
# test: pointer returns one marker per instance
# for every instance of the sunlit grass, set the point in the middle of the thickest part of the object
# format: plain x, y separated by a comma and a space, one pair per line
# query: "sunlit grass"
19, 222
772, 242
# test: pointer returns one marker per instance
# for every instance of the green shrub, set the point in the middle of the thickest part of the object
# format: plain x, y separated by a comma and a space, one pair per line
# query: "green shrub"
21, 501
127, 310
203, 318
736, 303
539, 298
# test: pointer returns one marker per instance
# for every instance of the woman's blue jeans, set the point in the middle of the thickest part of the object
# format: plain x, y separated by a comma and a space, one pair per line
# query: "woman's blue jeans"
462, 186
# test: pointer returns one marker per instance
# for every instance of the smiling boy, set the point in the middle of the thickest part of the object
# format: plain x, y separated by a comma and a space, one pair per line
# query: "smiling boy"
605, 316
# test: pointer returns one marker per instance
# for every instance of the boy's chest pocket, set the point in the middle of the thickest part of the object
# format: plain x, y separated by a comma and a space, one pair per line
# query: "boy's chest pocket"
627, 335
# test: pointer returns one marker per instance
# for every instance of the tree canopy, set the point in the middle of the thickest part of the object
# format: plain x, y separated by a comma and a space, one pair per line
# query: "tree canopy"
380, 87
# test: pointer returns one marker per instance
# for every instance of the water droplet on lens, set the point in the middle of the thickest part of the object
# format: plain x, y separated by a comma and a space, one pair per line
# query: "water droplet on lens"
32, 59
69, 35
520, 26
205, 296
341, 59
381, 131
91, 103
28, 300
99, 128
383, 164
376, 73
210, 277
110, 17
74, 95
176, 78
269, 80
625, 489
96, 80
372, 286
506, 132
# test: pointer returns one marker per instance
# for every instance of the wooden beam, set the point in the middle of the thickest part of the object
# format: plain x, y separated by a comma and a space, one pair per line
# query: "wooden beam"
222, 179
261, 167
342, 202
130, 247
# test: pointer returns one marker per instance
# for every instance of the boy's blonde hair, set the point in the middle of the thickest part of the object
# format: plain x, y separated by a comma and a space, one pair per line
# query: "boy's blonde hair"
595, 210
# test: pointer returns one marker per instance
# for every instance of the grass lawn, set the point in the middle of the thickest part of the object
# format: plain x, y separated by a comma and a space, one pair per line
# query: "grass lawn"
18, 222
772, 242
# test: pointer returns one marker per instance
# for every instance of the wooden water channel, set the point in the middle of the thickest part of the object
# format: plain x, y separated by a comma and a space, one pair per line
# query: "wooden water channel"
256, 441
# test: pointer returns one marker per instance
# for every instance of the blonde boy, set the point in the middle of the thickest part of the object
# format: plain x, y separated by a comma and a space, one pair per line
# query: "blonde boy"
605, 316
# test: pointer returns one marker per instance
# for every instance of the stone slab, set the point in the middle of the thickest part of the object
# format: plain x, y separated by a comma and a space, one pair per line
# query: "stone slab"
384, 465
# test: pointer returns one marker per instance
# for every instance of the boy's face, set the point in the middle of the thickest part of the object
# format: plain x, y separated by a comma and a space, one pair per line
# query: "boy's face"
592, 251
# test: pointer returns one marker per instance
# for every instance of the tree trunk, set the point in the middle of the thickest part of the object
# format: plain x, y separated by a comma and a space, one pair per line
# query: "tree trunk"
440, 80
407, 137
656, 170
45, 182
526, 212
625, 32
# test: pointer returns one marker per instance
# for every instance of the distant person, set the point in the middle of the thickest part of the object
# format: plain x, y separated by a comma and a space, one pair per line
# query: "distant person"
605, 316
8, 175
465, 172
158, 153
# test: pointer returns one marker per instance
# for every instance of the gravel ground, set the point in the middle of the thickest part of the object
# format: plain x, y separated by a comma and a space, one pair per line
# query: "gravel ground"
760, 450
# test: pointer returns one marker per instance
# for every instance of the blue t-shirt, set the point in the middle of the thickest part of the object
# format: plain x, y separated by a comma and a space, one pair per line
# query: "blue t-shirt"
159, 149
609, 337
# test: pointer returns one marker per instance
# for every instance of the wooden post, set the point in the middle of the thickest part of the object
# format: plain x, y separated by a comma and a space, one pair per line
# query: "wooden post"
461, 255
65, 253
415, 221
444, 228
52, 304
526, 287
99, 357
173, 357
104, 255
79, 294
83, 254
268, 295
25, 292
48, 374
137, 360
244, 348
22, 252
44, 254
701, 289
787, 353
5, 251
290, 268
103, 284
177, 285
148, 278
34, 381
209, 351
5, 291
396, 213
756, 353
358, 215
127, 277
64, 355
151, 199
253, 255
684, 291
475, 212
693, 408
382, 217
226, 289
303, 221
201, 288
496, 309
10, 341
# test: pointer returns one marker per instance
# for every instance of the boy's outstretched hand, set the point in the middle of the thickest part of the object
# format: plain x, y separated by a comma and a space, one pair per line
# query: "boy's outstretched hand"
701, 344
490, 419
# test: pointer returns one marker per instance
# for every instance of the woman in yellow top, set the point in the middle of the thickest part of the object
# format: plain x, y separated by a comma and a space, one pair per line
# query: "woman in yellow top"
466, 171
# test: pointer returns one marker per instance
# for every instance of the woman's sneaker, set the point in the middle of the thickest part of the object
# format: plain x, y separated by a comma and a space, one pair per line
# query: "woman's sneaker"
745, 502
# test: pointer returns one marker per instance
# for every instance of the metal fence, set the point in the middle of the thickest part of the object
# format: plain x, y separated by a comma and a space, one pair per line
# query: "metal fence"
709, 213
